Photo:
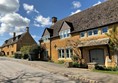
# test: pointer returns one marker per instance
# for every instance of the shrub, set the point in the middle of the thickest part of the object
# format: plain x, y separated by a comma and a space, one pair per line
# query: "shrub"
75, 58
18, 55
76, 64
61, 62
100, 68
2, 54
25, 56
112, 69
107, 69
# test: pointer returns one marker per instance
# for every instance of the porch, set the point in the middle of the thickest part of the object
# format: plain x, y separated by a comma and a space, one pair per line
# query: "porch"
97, 51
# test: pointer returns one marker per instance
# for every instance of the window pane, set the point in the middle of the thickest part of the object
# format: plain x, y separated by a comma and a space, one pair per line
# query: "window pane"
89, 33
62, 53
62, 35
67, 53
95, 31
104, 30
82, 34
59, 53
68, 33
71, 52
65, 35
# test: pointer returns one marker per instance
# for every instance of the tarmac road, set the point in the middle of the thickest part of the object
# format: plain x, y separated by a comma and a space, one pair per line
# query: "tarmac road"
13, 72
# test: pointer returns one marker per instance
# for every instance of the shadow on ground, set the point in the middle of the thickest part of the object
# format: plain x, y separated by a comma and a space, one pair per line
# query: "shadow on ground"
37, 77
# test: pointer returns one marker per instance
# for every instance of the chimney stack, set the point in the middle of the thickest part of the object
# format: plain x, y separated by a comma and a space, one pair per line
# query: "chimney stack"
27, 29
54, 20
14, 34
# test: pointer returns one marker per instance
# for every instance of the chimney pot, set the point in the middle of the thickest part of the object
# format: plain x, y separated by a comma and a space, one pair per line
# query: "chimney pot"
54, 20
27, 29
14, 34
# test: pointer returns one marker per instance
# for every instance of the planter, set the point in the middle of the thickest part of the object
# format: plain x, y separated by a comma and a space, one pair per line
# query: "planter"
92, 65
68, 64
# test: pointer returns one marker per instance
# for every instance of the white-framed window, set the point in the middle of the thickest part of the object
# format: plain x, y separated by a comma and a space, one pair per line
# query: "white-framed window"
95, 31
46, 38
61, 53
90, 32
64, 33
104, 29
69, 53
82, 34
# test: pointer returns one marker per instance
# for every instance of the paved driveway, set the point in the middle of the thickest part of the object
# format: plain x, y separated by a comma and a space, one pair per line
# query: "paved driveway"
13, 72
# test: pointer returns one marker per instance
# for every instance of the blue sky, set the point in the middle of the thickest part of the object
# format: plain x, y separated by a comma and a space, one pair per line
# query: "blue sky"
15, 15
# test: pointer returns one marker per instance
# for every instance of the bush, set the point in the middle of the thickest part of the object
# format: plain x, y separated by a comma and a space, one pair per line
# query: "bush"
112, 69
100, 68
75, 58
107, 69
25, 56
18, 55
61, 62
76, 64
2, 54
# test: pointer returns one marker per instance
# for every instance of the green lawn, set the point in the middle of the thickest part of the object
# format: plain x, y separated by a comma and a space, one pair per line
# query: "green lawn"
109, 72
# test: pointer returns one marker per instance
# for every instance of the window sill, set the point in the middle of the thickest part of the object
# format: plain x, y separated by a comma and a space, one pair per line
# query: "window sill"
64, 59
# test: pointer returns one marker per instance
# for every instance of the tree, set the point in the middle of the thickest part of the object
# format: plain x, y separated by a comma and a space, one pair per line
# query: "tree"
36, 51
113, 36
77, 53
25, 49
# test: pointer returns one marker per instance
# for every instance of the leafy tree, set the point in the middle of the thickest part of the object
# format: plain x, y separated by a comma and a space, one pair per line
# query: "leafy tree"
25, 49
36, 51
113, 35
77, 53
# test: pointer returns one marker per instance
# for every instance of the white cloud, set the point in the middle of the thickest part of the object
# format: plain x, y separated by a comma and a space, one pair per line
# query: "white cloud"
29, 8
8, 6
41, 21
76, 4
13, 22
99, 2
10, 21
75, 12
36, 24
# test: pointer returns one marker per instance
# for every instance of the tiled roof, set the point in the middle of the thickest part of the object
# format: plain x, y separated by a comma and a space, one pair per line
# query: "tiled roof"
103, 41
50, 31
13, 40
96, 16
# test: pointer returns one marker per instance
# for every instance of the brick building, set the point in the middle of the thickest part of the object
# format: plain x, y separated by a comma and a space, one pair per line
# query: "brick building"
14, 44
88, 26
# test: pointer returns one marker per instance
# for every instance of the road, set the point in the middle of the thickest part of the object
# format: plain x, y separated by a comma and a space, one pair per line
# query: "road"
13, 72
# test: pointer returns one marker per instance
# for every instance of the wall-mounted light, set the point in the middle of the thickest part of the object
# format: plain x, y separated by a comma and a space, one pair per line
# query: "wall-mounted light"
55, 46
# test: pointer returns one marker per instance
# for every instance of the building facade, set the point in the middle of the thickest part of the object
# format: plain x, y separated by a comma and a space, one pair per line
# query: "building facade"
89, 28
15, 43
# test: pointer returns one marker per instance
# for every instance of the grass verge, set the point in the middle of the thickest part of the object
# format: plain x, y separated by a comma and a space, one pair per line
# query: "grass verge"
109, 72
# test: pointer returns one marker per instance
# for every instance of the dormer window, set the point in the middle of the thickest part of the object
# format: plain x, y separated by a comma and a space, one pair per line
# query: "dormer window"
104, 29
46, 38
82, 34
64, 34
